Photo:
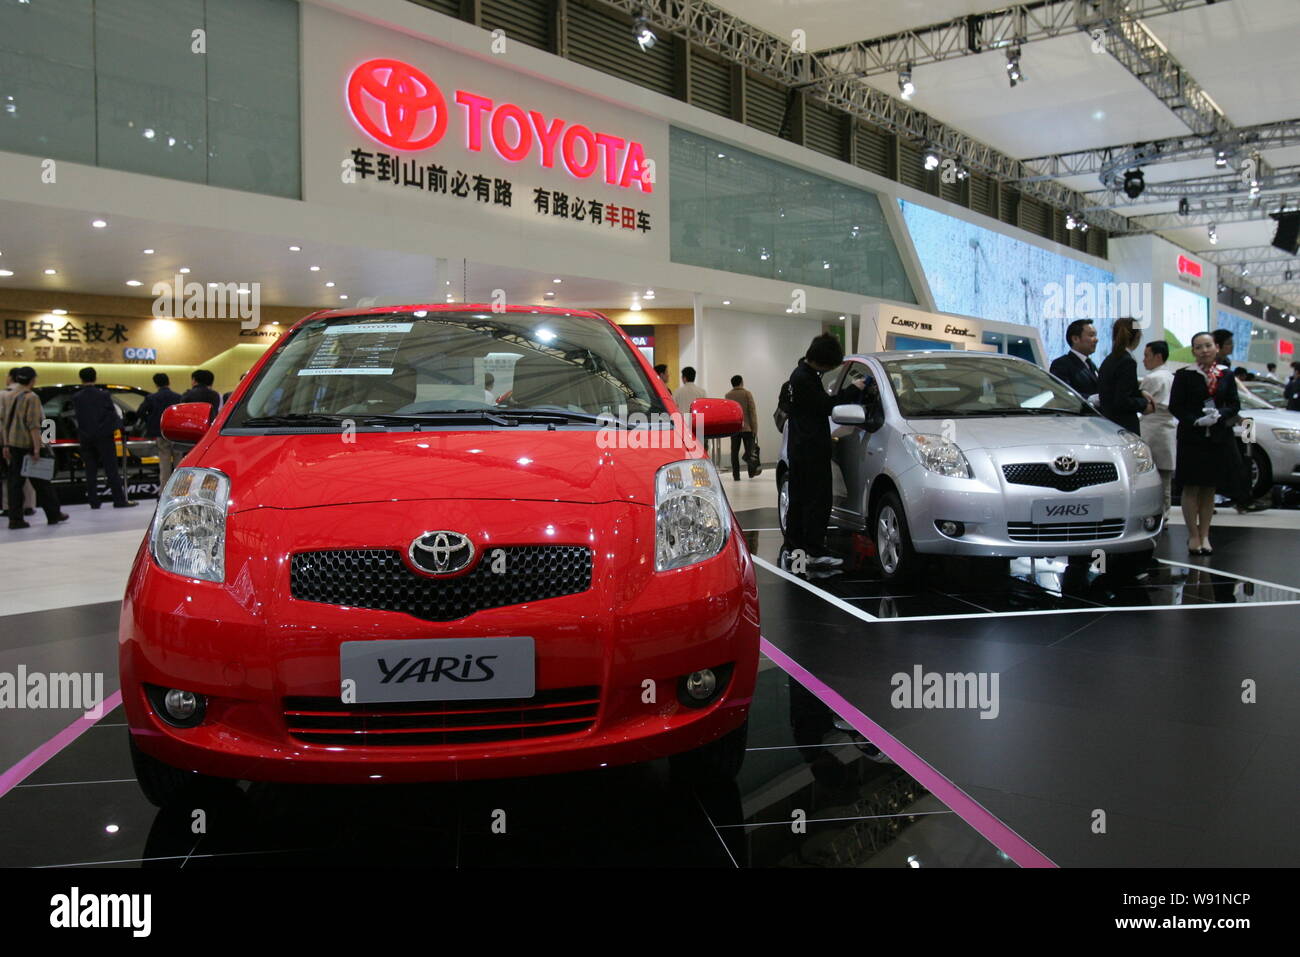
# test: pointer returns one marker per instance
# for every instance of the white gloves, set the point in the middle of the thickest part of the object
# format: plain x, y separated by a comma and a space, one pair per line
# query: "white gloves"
1208, 419
1094, 401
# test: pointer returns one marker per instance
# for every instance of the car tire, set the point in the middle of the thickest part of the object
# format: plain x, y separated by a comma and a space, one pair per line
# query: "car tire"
1261, 473
895, 555
782, 498
161, 783
717, 761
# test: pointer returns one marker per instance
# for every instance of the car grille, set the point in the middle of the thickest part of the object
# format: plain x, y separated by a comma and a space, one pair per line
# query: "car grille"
1040, 474
1066, 531
328, 721
378, 578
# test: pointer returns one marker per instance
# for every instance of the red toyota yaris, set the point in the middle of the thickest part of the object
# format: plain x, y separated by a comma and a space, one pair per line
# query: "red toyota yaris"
431, 543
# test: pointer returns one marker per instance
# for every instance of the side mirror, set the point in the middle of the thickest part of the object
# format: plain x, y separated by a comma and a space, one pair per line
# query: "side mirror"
849, 414
721, 416
186, 422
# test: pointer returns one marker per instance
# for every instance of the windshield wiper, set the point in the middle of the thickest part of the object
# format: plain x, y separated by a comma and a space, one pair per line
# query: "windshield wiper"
292, 418
433, 418
560, 415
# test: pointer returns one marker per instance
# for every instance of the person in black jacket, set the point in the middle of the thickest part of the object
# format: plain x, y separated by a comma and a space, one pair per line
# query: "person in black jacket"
1204, 401
151, 410
808, 451
1075, 368
97, 421
1292, 391
201, 390
1117, 381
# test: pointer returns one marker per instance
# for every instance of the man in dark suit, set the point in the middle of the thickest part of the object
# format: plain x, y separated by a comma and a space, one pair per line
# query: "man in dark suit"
97, 421
1075, 368
201, 390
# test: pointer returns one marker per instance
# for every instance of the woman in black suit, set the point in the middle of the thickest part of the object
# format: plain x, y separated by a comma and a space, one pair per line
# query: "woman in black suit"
1204, 401
1117, 380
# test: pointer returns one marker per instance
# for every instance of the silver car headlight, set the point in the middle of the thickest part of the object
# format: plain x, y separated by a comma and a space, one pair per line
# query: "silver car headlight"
1138, 452
189, 528
1290, 436
940, 455
691, 514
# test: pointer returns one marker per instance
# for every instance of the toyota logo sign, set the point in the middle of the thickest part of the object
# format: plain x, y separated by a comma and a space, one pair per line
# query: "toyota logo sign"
400, 97
441, 553
1065, 465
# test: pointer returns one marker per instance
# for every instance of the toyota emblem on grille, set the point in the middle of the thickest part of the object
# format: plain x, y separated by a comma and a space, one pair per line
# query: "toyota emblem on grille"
1065, 465
441, 553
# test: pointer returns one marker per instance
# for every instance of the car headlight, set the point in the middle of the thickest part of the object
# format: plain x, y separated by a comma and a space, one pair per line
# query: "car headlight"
1138, 451
940, 455
691, 514
1290, 436
189, 528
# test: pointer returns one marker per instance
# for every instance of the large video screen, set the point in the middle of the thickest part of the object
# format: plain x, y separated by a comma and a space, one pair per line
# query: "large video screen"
1186, 314
973, 271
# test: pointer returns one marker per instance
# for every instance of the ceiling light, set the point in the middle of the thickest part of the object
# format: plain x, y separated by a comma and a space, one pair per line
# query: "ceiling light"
1083, 227
59, 312
314, 268
548, 295
1070, 221
343, 295
905, 85
184, 270
1184, 206
557, 280
1213, 234
148, 134
1247, 300
645, 37
1221, 158
134, 282
636, 306
51, 272
931, 160
726, 302
1013, 66
6, 272
147, 252
295, 249
1134, 183
329, 285
98, 223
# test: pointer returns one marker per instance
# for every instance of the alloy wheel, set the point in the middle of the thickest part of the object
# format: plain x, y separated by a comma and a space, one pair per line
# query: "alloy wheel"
888, 540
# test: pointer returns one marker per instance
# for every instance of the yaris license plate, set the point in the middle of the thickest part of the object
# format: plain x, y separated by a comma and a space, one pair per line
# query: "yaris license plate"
438, 669
1055, 511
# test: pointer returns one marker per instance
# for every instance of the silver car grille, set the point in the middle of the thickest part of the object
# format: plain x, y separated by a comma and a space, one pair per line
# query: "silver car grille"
1066, 531
1041, 475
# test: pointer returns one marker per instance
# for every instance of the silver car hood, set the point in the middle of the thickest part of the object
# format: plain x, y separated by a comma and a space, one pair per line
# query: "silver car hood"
1274, 418
1016, 431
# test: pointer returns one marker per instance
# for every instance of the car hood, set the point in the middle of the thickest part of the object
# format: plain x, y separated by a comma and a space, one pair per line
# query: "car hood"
308, 471
1276, 418
1015, 431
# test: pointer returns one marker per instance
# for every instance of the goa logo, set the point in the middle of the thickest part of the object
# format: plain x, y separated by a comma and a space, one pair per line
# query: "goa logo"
392, 100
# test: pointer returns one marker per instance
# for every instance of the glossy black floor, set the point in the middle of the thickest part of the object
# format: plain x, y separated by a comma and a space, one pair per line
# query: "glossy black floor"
83, 808
1121, 698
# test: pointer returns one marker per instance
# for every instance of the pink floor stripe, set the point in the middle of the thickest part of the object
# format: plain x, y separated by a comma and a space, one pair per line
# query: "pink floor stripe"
30, 764
966, 807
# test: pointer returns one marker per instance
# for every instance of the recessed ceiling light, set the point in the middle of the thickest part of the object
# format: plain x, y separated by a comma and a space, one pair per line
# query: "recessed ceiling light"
184, 270
726, 302
636, 307
295, 249
134, 282
98, 223
51, 272
275, 322
557, 280
314, 268
6, 272
343, 296
329, 285
59, 312
147, 252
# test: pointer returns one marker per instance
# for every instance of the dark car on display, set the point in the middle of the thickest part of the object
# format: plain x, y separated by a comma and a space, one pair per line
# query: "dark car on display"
373, 568
137, 456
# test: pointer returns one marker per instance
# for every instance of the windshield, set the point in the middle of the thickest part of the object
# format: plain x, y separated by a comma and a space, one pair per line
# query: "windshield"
476, 366
1248, 399
939, 386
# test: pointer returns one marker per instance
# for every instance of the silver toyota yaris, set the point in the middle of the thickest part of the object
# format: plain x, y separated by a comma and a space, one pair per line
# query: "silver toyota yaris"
982, 455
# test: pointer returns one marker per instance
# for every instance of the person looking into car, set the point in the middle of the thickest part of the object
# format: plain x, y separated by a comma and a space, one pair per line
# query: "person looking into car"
1117, 381
201, 390
745, 399
97, 423
1075, 368
1204, 401
1159, 426
151, 410
808, 451
20, 417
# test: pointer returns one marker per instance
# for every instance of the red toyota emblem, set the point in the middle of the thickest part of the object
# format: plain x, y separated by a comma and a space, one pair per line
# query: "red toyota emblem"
1189, 267
390, 100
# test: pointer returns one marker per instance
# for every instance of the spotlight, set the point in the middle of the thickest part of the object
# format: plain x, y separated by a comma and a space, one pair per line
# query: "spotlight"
931, 160
1221, 158
1213, 234
641, 32
1070, 221
1134, 183
905, 85
1247, 300
1013, 67
1184, 206
1083, 227
962, 172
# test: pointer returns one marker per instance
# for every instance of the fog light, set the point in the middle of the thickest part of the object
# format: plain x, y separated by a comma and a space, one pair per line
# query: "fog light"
181, 705
700, 685
1151, 522
951, 529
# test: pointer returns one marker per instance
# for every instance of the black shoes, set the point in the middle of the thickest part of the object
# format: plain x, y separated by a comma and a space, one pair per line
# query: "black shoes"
61, 517
127, 504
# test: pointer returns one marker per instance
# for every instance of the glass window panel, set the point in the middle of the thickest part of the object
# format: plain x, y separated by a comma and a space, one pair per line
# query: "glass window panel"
47, 81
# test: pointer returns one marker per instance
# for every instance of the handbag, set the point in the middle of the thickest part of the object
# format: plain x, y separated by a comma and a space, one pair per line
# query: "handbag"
755, 462
38, 467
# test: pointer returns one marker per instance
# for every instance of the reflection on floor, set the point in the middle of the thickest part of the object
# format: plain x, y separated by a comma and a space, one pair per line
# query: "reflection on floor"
812, 793
957, 587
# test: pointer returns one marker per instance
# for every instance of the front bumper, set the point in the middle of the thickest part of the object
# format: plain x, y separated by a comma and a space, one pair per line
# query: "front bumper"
249, 646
